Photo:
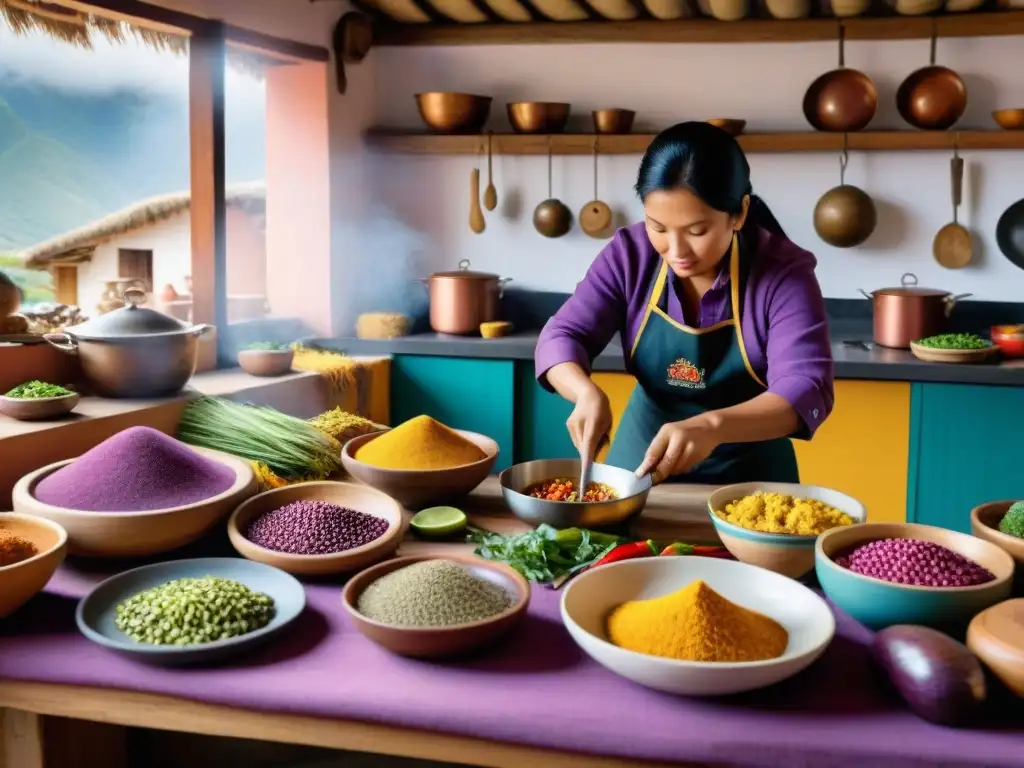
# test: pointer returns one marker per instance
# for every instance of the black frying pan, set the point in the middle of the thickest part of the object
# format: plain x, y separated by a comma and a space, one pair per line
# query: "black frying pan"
1010, 233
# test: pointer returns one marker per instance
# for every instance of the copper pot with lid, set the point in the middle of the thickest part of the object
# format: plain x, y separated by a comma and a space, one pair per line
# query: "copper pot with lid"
908, 313
463, 299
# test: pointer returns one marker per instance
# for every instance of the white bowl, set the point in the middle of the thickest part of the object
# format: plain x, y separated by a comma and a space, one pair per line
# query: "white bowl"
590, 597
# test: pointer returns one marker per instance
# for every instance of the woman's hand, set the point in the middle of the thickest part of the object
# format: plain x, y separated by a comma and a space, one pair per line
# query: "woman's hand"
590, 421
679, 446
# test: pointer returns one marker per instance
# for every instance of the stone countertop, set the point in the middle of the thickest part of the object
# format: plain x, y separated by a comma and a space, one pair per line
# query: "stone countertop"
853, 361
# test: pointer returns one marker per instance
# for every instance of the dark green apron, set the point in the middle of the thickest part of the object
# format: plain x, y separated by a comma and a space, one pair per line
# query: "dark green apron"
683, 372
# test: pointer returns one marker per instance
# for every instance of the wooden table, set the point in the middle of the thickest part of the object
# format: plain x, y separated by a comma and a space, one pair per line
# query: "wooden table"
55, 726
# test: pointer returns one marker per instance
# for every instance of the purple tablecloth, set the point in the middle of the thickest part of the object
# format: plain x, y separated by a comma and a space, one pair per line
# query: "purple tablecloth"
536, 688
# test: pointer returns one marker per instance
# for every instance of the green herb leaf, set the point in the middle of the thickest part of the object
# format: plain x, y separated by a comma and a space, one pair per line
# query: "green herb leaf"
544, 554
38, 389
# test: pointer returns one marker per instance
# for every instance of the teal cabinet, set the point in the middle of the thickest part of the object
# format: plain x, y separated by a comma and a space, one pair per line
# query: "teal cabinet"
965, 450
464, 393
540, 419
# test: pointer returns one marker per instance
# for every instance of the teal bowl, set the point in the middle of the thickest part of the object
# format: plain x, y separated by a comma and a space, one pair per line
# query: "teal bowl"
877, 603
783, 553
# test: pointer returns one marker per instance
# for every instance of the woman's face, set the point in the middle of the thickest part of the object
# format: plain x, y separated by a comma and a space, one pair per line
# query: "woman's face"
691, 236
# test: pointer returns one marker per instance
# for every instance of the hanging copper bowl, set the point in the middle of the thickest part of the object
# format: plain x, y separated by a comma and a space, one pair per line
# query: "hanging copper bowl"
932, 98
841, 101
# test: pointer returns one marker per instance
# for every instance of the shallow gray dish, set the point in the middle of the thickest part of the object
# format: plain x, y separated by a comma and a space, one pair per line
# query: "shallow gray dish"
632, 492
95, 612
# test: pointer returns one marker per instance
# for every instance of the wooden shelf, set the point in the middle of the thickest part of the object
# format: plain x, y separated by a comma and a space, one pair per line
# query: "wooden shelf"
398, 142
702, 30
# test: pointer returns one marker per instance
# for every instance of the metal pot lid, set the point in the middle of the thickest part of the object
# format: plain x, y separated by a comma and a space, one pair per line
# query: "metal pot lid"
464, 273
909, 288
131, 320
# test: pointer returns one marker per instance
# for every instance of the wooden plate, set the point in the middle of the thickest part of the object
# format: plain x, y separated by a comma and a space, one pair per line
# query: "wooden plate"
953, 356
996, 636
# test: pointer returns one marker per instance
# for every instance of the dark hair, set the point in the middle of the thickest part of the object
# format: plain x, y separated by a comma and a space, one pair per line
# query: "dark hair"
5, 280
710, 163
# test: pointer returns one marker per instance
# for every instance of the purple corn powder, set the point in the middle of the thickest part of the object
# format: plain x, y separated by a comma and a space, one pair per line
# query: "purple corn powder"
914, 562
314, 528
136, 470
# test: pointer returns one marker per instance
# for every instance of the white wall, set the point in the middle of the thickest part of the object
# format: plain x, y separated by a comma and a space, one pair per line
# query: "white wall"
763, 84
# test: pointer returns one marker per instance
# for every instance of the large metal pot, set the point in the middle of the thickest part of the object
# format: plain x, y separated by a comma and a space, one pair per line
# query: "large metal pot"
133, 351
461, 300
909, 313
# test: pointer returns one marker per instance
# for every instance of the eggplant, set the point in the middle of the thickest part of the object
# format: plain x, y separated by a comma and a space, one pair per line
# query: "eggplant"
939, 678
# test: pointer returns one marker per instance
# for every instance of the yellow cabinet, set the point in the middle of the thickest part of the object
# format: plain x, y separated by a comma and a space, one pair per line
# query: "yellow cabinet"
863, 447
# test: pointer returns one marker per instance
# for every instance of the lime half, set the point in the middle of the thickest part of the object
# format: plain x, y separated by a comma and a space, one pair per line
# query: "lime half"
437, 522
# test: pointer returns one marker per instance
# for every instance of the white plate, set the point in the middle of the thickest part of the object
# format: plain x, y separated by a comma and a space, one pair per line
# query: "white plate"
590, 597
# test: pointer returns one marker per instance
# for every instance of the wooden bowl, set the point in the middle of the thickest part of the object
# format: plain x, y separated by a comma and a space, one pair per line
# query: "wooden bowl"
413, 488
136, 534
36, 408
351, 495
985, 520
730, 126
952, 356
1010, 119
613, 121
538, 116
878, 603
439, 642
996, 637
21, 581
447, 112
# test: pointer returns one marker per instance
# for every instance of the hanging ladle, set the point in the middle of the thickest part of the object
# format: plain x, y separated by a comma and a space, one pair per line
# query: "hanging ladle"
552, 218
952, 245
596, 216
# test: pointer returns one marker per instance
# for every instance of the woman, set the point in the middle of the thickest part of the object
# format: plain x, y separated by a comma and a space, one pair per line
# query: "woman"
722, 322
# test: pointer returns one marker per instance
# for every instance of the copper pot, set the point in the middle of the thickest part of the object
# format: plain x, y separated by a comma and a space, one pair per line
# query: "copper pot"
909, 313
461, 300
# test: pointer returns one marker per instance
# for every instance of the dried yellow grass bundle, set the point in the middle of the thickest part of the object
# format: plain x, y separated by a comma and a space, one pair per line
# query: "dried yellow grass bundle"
382, 325
338, 369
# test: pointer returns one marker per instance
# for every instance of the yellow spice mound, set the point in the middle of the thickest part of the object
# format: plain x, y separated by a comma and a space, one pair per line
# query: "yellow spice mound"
782, 513
696, 623
420, 443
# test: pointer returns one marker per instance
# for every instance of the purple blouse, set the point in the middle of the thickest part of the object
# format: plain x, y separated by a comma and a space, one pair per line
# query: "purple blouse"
784, 325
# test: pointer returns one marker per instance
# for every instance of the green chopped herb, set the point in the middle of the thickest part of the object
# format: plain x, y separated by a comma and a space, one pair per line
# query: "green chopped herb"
38, 389
954, 341
268, 346
545, 554
1012, 523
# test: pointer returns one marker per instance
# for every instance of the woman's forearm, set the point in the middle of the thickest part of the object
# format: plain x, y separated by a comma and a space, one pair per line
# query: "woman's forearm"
570, 380
765, 417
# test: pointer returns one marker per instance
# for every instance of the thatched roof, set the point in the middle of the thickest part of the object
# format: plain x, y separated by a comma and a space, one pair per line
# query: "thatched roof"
80, 29
78, 243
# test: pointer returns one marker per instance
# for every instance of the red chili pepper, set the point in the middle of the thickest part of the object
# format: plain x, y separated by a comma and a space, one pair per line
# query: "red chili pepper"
679, 548
628, 552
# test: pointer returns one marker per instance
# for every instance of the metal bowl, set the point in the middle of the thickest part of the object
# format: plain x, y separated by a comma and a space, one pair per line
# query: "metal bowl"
446, 112
1009, 119
632, 492
538, 116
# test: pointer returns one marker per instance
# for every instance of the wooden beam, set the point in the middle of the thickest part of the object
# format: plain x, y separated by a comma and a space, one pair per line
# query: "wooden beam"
704, 30
398, 142
274, 47
207, 61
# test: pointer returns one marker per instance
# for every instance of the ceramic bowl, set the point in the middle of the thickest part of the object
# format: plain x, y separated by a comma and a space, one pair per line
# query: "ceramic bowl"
136, 534
985, 521
783, 553
516, 480
1009, 339
36, 408
421, 488
20, 582
96, 611
439, 642
351, 495
879, 604
266, 362
591, 596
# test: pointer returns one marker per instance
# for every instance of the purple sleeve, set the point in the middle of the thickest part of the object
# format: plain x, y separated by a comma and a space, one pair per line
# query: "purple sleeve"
799, 353
588, 320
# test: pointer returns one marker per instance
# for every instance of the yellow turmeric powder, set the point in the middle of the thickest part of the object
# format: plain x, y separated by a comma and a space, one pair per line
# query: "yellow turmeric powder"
420, 443
696, 623
781, 513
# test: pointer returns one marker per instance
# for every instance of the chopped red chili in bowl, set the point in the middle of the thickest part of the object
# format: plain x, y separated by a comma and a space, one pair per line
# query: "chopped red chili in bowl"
564, 489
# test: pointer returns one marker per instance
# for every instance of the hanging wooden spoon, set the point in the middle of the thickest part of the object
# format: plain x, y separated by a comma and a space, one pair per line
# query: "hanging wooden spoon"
490, 194
952, 245
476, 216
596, 216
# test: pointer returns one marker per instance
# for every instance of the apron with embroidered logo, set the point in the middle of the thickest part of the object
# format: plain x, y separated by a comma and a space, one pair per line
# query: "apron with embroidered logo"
683, 372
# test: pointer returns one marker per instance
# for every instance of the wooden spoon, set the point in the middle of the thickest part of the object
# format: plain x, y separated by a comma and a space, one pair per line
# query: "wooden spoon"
490, 194
952, 245
476, 216
596, 216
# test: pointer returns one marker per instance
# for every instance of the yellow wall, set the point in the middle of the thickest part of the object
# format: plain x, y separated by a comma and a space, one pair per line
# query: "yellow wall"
618, 387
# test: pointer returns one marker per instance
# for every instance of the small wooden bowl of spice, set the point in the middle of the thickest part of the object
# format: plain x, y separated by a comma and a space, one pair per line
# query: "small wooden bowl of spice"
431, 607
31, 549
35, 400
